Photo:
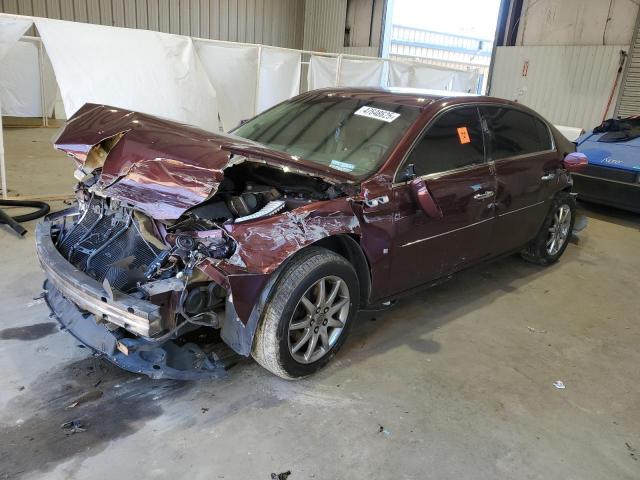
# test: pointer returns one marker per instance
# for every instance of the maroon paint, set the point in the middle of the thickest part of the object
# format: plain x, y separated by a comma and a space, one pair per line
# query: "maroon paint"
160, 166
164, 168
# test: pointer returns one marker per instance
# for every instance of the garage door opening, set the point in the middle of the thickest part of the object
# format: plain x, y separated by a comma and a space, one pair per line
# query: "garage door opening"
454, 34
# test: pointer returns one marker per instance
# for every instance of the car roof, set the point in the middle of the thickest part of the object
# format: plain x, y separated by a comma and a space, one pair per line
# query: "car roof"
415, 97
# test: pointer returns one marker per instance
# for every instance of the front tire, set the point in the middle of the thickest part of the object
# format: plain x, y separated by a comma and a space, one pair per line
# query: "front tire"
554, 235
309, 315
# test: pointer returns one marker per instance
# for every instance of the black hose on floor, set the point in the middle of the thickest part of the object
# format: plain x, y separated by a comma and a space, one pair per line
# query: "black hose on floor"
42, 209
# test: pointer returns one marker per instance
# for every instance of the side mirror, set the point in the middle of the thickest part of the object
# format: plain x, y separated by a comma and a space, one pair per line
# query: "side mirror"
422, 196
575, 162
409, 173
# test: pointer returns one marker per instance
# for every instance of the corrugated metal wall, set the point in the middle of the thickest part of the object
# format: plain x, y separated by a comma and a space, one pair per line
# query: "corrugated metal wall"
269, 22
324, 24
569, 85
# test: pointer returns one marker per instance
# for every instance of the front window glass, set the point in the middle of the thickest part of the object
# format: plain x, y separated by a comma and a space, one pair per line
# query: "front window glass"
455, 140
346, 134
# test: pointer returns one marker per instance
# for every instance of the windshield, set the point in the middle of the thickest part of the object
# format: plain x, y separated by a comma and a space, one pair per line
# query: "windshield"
346, 134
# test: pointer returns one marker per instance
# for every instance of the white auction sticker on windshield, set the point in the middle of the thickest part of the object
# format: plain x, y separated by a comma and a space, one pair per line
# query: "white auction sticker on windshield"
377, 113
342, 166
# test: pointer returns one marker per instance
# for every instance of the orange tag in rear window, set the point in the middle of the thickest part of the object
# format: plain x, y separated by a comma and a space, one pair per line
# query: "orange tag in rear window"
463, 135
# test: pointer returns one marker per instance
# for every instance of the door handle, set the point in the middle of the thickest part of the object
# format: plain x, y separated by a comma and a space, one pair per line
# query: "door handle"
482, 196
548, 176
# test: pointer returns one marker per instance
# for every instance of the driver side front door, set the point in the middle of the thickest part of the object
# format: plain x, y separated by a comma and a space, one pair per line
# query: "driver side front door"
450, 158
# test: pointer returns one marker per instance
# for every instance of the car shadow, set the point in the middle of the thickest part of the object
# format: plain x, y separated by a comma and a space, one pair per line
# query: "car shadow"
412, 320
609, 214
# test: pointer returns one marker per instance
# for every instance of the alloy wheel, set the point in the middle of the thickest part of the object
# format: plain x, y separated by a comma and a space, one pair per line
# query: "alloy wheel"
318, 319
559, 229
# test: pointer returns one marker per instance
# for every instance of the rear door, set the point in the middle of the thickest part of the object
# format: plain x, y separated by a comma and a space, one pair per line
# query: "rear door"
521, 147
450, 157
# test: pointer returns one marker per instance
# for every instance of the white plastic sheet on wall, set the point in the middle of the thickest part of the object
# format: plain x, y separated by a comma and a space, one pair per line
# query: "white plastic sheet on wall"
360, 73
233, 72
279, 77
141, 70
20, 92
353, 72
322, 72
11, 30
423, 76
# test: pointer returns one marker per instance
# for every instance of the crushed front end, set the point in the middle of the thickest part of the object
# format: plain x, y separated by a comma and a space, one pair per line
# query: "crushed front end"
127, 295
176, 239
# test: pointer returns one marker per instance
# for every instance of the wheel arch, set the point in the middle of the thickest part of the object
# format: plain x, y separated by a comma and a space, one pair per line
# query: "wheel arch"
348, 246
240, 337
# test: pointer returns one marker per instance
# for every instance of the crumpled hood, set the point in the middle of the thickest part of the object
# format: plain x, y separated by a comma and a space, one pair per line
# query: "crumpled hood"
164, 167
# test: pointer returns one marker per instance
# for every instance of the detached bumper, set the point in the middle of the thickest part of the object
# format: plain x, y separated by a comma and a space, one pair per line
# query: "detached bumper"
165, 360
86, 310
138, 316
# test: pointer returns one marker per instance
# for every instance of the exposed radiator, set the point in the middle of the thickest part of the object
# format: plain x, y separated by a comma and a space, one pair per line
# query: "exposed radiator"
105, 243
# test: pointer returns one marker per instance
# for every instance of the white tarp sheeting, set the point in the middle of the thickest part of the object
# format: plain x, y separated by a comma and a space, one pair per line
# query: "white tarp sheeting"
360, 73
242, 92
429, 77
353, 73
233, 72
279, 77
150, 72
322, 72
10, 32
20, 92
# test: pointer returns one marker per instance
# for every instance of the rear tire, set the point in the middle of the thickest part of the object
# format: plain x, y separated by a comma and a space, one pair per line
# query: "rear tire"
309, 315
554, 235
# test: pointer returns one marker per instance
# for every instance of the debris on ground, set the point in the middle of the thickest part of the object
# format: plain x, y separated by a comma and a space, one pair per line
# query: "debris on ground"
383, 430
281, 476
559, 384
35, 301
535, 330
87, 397
632, 451
204, 409
73, 426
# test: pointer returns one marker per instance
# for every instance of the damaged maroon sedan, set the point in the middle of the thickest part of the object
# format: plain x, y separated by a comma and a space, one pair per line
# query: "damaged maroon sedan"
333, 201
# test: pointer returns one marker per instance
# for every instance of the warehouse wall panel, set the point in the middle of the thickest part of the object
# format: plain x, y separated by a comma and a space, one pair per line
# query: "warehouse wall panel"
569, 85
577, 22
269, 22
324, 28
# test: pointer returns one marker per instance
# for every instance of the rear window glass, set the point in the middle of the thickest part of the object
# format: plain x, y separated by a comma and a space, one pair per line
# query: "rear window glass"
513, 133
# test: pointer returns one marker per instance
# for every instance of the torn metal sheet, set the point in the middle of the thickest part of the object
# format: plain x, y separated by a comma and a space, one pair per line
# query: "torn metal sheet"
160, 166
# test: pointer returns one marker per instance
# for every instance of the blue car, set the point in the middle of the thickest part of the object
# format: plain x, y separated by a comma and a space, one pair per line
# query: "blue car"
613, 174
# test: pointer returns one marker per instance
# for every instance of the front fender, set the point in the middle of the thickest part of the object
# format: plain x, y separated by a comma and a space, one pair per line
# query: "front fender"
263, 247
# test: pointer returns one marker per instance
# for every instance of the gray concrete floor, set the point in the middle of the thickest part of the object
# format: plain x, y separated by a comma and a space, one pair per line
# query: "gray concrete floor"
458, 378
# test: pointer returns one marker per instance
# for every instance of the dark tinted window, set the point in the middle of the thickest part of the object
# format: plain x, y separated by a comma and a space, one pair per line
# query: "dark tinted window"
453, 141
513, 132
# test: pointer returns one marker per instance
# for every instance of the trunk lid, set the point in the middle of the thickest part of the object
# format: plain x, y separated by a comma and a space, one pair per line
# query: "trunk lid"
160, 166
